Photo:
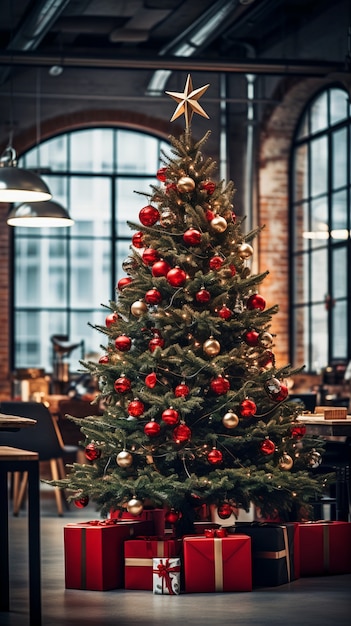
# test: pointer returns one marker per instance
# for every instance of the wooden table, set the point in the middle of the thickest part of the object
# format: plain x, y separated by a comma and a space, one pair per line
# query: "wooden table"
329, 429
18, 460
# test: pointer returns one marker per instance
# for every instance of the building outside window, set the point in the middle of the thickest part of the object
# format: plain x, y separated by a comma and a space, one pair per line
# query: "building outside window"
63, 276
320, 233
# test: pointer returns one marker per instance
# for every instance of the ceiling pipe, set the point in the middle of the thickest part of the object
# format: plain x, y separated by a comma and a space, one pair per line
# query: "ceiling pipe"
230, 66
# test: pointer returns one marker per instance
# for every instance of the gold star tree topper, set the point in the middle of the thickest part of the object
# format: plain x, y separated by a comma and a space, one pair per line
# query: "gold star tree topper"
188, 102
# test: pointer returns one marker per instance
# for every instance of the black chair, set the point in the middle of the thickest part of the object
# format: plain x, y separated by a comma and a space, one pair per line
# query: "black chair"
43, 438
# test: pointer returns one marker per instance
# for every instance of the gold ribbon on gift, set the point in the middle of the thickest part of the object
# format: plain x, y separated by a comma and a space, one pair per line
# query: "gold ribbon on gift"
218, 563
279, 554
128, 561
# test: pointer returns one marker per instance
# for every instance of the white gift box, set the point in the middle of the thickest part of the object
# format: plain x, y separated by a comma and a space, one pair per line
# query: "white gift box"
166, 576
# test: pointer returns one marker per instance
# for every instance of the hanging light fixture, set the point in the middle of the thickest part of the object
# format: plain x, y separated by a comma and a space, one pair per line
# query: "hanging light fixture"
39, 215
19, 185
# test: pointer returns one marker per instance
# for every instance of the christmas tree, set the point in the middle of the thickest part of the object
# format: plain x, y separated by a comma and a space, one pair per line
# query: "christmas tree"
196, 412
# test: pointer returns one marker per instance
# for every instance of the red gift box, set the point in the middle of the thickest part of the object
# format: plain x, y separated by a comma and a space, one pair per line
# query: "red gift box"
94, 553
217, 564
156, 516
325, 548
138, 559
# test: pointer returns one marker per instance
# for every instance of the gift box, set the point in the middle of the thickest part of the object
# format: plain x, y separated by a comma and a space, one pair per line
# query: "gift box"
155, 516
217, 564
138, 559
275, 552
166, 576
325, 548
94, 553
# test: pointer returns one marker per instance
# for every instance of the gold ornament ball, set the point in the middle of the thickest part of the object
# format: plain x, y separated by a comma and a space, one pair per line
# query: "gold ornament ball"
124, 459
219, 224
230, 420
286, 462
138, 308
245, 251
185, 184
134, 506
226, 272
211, 347
266, 340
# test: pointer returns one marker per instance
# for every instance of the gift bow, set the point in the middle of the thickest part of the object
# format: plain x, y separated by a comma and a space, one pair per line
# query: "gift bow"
164, 570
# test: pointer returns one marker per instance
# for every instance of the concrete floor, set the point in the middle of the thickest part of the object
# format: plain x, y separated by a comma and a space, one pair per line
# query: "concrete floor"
319, 601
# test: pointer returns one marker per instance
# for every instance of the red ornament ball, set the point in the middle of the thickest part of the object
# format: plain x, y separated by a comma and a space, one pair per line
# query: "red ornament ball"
103, 360
181, 433
160, 268
170, 416
216, 263
123, 283
225, 313
276, 390
135, 408
176, 277
172, 516
122, 385
267, 447
156, 342
251, 337
209, 215
149, 256
153, 296
297, 432
152, 429
162, 174
151, 380
224, 510
123, 343
91, 452
149, 215
137, 239
247, 408
192, 237
82, 502
111, 319
220, 385
283, 394
232, 269
215, 457
203, 296
208, 186
267, 358
181, 391
171, 187
256, 302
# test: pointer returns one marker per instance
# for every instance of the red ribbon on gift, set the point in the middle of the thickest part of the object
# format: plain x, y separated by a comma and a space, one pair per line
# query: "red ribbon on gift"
210, 533
164, 570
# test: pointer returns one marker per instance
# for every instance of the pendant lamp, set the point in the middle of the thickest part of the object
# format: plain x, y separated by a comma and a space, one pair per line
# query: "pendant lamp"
39, 215
19, 185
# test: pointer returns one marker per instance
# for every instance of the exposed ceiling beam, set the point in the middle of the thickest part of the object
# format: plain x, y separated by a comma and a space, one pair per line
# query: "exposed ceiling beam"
230, 66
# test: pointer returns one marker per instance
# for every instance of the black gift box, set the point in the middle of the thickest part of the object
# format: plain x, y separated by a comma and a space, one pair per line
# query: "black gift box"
274, 551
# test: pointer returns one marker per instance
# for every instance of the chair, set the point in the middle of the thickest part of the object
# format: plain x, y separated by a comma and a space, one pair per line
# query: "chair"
80, 409
43, 438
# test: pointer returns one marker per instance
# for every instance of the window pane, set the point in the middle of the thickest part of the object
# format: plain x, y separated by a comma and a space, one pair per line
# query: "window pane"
90, 272
319, 274
33, 331
338, 105
91, 150
301, 174
319, 166
319, 337
339, 330
339, 257
319, 232
319, 113
90, 206
129, 203
137, 153
301, 227
339, 176
339, 216
81, 330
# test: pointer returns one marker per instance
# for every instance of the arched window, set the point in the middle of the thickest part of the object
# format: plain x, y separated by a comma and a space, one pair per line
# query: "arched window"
320, 231
63, 276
